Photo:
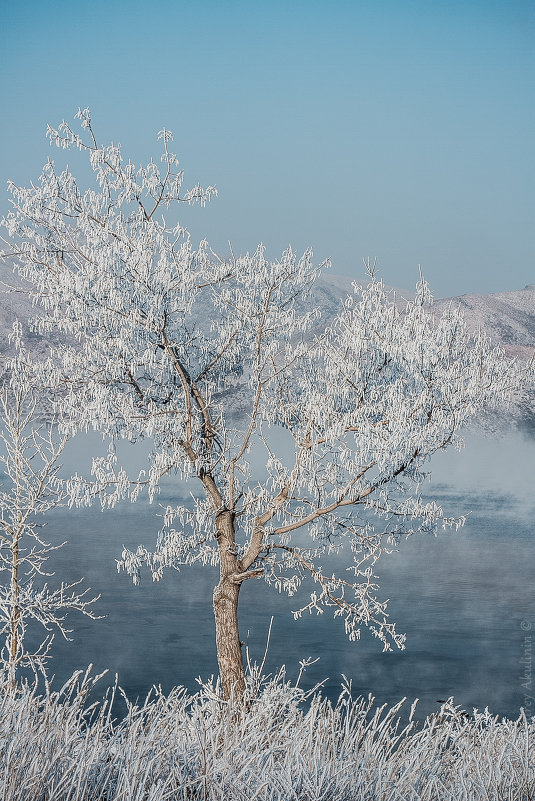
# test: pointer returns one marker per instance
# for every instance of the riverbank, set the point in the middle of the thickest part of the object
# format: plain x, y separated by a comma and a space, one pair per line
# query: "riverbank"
285, 746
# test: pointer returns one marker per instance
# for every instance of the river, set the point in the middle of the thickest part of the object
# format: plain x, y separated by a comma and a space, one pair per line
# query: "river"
465, 599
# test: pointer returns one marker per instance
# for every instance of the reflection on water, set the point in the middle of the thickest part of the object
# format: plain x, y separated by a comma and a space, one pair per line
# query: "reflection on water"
460, 597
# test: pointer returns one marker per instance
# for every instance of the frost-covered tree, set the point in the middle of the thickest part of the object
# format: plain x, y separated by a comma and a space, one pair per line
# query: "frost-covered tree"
164, 336
30, 449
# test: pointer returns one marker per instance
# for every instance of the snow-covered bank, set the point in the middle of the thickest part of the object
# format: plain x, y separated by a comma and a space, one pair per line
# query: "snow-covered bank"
194, 747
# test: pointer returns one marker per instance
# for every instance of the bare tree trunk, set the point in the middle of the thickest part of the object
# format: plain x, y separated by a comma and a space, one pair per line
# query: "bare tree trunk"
229, 653
13, 636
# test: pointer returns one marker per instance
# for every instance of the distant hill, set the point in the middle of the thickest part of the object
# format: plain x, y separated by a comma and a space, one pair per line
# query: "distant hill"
507, 317
16, 305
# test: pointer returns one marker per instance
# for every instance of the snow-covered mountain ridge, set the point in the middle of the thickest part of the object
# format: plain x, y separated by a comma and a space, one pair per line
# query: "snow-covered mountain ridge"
507, 317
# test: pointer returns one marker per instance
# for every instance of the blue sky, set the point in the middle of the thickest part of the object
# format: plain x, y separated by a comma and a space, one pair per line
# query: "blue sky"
402, 131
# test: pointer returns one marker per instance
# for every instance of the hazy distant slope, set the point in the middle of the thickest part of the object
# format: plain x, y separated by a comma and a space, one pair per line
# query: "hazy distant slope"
16, 305
507, 317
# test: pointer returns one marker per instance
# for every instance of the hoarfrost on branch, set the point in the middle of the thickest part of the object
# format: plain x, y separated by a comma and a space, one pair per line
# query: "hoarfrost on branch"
30, 449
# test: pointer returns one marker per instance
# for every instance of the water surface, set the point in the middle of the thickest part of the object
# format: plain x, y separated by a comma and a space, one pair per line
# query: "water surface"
466, 599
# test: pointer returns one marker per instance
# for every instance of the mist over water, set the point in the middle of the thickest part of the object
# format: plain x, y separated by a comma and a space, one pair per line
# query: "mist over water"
463, 598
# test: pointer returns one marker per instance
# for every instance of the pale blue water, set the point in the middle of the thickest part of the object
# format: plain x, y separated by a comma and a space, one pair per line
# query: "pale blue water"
466, 600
